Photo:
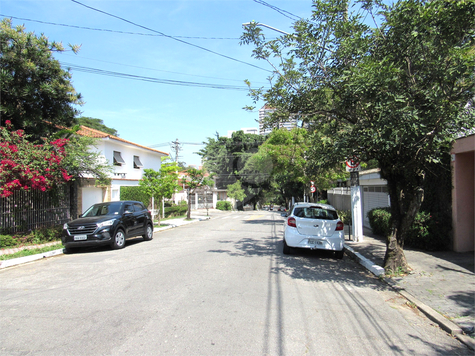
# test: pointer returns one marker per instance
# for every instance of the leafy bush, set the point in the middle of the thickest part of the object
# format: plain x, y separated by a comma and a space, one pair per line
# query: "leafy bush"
38, 236
428, 231
134, 193
380, 221
175, 210
223, 205
324, 201
345, 216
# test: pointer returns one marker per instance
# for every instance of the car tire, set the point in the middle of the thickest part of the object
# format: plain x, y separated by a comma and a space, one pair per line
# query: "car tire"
148, 233
339, 254
286, 249
69, 250
119, 239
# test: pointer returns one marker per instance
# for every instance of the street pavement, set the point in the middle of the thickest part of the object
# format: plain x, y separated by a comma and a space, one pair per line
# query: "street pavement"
441, 284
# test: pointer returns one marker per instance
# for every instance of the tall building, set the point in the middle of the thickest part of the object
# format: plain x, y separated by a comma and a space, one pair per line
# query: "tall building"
264, 112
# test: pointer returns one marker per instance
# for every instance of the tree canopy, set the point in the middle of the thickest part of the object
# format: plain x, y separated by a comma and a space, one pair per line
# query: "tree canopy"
161, 184
36, 93
226, 158
395, 91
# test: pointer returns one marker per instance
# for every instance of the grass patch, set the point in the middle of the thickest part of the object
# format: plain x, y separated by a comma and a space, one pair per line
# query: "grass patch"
30, 252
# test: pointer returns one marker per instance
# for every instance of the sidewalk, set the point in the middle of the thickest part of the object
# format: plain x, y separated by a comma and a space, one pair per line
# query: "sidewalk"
441, 284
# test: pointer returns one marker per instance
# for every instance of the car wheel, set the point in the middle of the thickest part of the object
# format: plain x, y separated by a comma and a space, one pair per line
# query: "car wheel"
286, 248
69, 250
148, 233
119, 240
339, 254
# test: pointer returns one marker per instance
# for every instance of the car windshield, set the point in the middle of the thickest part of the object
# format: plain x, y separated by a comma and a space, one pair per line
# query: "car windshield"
103, 209
315, 212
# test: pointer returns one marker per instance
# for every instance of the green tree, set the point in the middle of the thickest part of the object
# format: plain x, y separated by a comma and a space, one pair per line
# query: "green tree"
395, 92
161, 184
235, 191
36, 93
196, 178
82, 161
97, 124
226, 158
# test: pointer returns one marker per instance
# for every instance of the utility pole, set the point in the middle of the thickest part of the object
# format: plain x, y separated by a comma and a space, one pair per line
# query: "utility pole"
176, 145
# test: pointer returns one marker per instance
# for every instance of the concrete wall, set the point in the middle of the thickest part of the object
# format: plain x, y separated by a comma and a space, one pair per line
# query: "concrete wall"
463, 194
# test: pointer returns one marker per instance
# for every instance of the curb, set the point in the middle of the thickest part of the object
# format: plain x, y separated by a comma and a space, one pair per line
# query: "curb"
444, 323
369, 265
26, 259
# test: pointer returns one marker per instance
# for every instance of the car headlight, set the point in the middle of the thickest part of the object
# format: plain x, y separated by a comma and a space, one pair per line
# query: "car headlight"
106, 223
65, 226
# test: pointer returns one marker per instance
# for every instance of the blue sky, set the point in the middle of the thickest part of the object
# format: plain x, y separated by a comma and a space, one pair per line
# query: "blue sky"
151, 113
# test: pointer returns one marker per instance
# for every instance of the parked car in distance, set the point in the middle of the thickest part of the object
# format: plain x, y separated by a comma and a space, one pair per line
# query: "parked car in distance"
313, 226
109, 223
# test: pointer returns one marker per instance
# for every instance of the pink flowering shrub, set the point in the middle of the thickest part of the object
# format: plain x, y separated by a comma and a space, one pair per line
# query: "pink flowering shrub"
24, 165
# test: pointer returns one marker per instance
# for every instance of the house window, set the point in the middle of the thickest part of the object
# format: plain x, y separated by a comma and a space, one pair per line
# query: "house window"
118, 160
137, 163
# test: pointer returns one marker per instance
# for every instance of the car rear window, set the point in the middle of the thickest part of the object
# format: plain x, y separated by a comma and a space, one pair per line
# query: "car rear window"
315, 212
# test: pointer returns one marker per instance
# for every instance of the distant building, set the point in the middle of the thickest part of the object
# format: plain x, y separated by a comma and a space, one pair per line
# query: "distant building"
264, 112
246, 130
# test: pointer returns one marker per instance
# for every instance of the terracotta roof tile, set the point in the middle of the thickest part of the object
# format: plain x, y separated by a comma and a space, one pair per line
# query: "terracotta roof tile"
87, 131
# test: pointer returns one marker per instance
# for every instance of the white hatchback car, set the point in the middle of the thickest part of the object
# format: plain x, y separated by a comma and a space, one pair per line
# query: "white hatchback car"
314, 226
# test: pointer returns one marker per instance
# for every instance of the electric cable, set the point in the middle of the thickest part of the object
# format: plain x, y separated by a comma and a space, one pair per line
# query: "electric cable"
151, 79
168, 36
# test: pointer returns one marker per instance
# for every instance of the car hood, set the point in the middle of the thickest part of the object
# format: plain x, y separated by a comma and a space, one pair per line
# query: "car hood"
92, 220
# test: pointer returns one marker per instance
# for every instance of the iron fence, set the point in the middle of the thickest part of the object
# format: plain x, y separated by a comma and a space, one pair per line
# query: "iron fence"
29, 210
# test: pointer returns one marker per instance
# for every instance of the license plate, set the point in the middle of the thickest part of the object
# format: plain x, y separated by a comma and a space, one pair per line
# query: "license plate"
80, 237
315, 242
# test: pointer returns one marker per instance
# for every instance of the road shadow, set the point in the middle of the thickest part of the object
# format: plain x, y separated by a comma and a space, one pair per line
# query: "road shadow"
308, 265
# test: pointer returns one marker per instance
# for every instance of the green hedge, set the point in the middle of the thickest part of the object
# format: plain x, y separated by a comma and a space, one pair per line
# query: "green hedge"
172, 209
380, 221
223, 205
134, 193
428, 231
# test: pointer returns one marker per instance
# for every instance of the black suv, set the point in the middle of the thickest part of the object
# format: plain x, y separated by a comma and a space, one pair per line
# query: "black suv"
108, 223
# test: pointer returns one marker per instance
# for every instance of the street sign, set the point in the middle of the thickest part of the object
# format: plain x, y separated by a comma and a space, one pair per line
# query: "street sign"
353, 165
312, 189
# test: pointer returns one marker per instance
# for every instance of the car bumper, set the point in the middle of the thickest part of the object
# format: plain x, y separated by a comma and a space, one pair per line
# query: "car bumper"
98, 238
332, 243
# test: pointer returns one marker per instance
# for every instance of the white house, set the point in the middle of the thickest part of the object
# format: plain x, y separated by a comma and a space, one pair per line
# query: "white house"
128, 160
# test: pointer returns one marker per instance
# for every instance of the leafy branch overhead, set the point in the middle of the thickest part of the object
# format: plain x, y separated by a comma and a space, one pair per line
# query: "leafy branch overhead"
394, 91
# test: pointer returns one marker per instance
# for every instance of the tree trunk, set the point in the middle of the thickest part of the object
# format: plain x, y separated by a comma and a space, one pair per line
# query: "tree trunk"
188, 213
403, 213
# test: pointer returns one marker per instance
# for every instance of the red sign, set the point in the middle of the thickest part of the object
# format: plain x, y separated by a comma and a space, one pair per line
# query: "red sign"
353, 165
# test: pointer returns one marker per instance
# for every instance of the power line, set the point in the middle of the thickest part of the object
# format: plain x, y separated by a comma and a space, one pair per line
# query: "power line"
121, 32
159, 70
279, 10
151, 79
171, 37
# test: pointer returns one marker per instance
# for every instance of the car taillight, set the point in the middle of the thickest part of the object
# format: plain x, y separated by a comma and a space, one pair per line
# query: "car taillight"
291, 222
339, 226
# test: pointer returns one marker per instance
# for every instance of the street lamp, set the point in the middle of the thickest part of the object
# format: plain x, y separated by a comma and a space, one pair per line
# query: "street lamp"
263, 25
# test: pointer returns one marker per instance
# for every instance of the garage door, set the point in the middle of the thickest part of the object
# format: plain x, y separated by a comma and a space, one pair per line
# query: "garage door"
90, 196
374, 197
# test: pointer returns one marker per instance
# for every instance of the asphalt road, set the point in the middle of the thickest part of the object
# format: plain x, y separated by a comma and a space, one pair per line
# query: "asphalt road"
217, 287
